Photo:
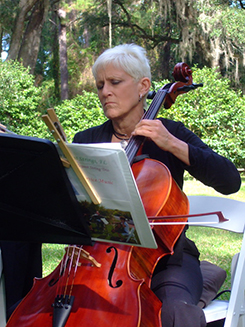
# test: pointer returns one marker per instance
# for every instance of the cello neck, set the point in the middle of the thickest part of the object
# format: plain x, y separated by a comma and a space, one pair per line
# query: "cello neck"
167, 96
136, 141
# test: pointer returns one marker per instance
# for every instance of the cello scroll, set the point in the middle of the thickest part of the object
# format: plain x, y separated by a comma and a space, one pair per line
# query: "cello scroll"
182, 73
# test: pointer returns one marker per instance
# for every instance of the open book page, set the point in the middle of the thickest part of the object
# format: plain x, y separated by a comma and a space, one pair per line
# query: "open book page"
120, 217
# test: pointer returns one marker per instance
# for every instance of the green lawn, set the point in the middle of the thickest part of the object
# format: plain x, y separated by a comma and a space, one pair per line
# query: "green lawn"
215, 245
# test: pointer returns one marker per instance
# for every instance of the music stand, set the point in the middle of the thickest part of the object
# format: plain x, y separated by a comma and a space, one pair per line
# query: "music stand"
37, 201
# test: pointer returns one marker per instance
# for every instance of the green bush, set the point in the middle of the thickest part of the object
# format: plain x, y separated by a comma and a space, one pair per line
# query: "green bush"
80, 113
19, 100
214, 112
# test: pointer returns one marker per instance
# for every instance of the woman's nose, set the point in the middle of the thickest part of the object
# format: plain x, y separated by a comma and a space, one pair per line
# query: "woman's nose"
106, 90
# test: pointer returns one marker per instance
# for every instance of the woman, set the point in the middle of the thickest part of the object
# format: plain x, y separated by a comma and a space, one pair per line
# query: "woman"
123, 79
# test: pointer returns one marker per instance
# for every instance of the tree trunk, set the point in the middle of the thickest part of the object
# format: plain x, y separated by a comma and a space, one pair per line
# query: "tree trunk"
31, 41
24, 7
55, 51
63, 55
109, 3
1, 36
165, 60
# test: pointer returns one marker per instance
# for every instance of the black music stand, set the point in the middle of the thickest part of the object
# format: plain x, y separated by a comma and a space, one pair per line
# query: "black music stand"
37, 201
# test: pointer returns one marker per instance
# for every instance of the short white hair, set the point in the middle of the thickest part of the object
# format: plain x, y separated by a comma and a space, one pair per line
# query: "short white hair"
129, 57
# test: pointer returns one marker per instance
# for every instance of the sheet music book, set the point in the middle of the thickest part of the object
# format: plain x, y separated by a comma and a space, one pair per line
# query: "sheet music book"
120, 217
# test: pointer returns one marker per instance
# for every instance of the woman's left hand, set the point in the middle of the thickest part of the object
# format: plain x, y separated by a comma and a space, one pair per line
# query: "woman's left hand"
158, 133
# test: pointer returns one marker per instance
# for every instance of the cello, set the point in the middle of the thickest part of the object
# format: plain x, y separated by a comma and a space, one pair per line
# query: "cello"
82, 291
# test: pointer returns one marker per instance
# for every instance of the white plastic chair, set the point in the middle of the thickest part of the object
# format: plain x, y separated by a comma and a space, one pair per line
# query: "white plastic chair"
2, 296
233, 310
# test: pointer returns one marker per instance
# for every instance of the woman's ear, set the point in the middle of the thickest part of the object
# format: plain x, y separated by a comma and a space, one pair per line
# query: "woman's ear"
145, 85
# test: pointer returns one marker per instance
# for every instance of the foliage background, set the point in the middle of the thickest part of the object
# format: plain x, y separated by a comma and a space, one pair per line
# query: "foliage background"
208, 33
19, 100
215, 112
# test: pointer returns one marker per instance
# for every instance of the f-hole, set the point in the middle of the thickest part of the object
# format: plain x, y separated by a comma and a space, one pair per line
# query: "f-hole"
113, 265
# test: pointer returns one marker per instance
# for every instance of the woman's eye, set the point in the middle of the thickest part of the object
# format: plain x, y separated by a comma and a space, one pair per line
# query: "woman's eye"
100, 87
115, 82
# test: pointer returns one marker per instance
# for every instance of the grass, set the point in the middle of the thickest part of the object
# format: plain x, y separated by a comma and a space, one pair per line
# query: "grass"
52, 255
216, 246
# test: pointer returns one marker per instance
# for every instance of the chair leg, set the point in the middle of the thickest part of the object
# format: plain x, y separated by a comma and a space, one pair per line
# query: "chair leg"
241, 322
2, 303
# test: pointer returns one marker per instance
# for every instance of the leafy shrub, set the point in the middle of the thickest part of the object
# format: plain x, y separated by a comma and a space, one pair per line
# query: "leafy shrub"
19, 100
214, 112
82, 112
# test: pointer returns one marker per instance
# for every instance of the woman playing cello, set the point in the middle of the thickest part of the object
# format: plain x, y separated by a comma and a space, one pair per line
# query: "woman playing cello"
123, 79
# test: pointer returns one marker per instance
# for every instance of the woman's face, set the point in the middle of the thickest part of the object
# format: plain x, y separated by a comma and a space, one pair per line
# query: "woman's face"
118, 93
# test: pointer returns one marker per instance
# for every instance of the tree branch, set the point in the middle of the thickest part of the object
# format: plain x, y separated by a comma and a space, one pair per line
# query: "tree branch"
140, 32
242, 4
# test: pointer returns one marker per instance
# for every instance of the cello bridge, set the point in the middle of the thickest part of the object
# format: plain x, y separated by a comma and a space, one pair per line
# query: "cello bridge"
76, 254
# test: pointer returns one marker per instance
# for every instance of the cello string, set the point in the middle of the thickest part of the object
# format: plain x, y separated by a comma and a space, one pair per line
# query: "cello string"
135, 142
151, 113
69, 270
62, 271
75, 269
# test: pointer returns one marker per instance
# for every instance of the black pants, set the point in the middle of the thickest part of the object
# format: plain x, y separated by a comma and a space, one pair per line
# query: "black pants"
179, 288
21, 263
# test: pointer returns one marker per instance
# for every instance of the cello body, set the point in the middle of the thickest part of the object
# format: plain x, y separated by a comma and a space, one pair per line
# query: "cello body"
161, 196
118, 292
96, 302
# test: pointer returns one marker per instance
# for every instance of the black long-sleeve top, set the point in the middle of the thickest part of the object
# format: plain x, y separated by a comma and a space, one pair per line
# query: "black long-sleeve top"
205, 165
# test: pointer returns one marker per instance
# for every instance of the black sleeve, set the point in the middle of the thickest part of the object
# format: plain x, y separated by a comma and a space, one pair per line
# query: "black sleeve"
213, 170
206, 165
